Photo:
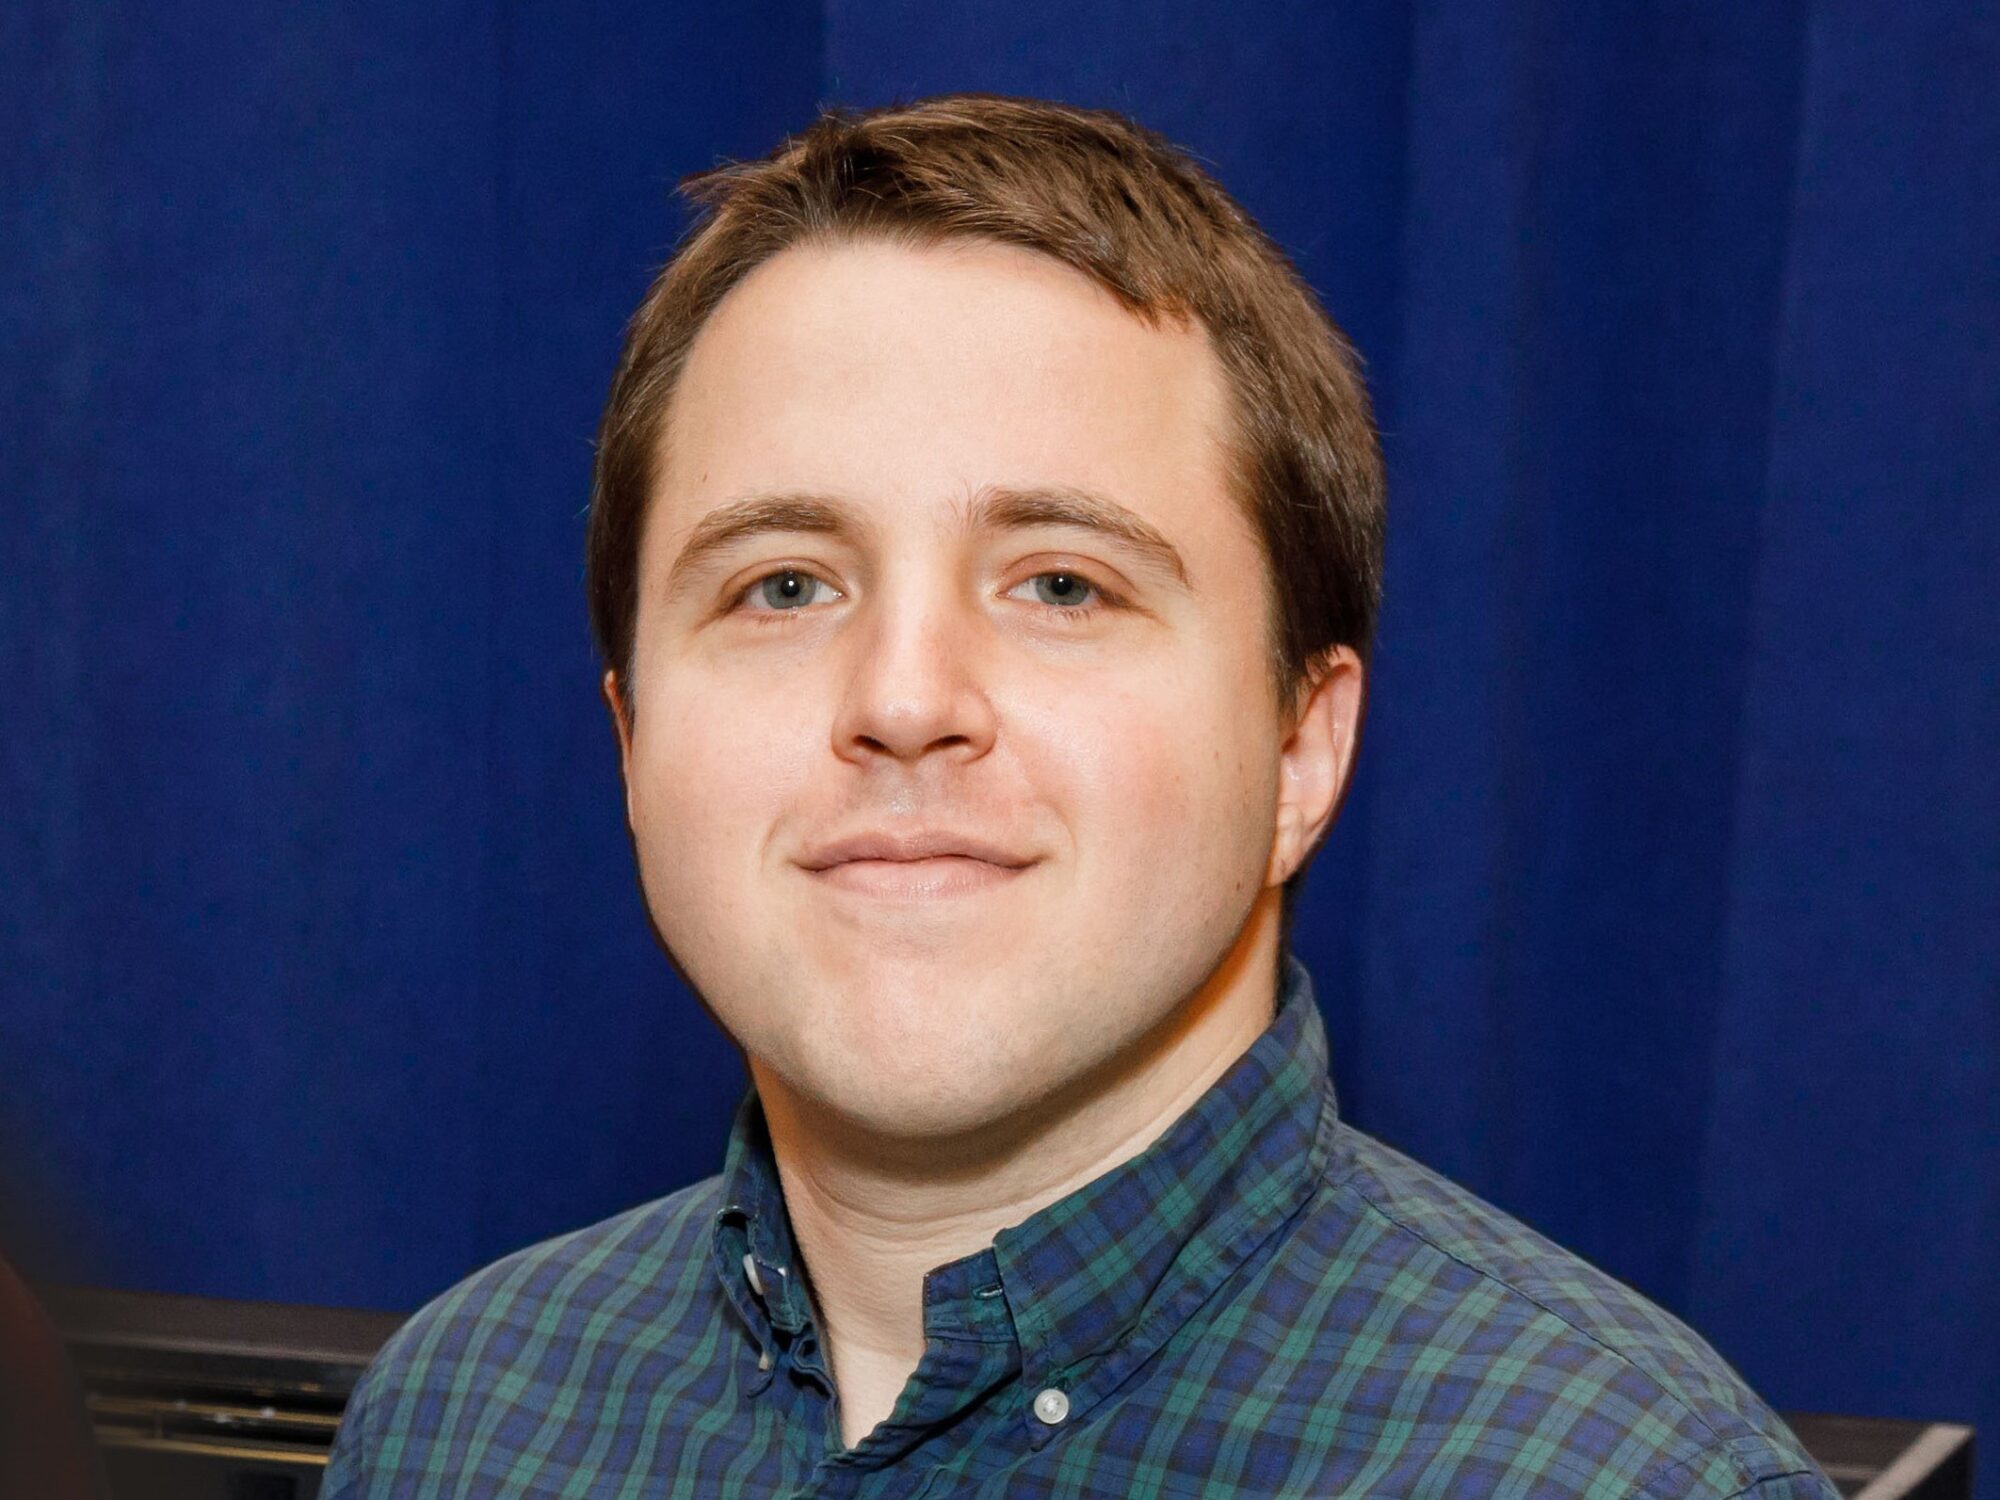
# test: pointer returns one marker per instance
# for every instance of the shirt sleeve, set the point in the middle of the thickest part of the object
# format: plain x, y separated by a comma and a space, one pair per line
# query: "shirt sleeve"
1806, 1485
347, 1468
1751, 1466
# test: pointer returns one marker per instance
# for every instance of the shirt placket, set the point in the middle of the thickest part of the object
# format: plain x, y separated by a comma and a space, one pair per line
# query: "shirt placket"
970, 1363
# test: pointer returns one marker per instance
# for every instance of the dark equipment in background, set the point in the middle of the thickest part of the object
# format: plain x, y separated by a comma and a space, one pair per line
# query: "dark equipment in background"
197, 1398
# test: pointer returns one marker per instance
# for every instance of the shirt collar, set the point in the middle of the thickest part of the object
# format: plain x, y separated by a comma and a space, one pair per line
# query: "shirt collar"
1096, 1281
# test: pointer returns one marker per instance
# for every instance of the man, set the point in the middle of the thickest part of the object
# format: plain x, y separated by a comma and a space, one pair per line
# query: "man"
984, 552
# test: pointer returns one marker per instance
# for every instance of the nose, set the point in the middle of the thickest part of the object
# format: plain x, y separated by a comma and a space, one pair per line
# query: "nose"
915, 684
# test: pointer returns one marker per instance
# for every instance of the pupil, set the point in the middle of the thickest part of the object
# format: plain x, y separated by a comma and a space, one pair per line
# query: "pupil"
1062, 587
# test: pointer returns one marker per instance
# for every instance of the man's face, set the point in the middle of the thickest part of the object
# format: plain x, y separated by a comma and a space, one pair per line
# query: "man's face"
941, 561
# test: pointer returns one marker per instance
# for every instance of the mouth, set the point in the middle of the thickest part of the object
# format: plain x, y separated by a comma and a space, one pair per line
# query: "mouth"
936, 876
915, 866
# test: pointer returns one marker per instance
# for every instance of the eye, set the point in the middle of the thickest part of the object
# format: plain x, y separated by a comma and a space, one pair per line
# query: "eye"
784, 591
1065, 591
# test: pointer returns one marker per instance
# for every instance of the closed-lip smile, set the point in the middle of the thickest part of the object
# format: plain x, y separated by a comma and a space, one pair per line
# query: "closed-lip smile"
906, 848
919, 865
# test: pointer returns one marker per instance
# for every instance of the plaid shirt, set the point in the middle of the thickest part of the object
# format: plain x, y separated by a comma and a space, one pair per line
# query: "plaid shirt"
1263, 1302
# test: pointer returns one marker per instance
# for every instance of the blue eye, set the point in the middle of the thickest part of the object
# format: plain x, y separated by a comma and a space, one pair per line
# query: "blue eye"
787, 589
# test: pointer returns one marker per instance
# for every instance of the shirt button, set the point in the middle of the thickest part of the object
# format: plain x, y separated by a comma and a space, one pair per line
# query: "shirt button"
1052, 1407
750, 1273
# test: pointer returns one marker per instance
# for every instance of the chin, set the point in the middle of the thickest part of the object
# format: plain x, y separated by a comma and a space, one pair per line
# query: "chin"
901, 1052
919, 1118
927, 1093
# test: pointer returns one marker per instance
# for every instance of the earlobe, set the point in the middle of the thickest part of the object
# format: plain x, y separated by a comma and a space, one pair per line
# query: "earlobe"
615, 701
621, 725
1317, 760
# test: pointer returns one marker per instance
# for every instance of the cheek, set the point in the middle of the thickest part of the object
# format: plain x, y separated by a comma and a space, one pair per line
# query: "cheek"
711, 772
1169, 786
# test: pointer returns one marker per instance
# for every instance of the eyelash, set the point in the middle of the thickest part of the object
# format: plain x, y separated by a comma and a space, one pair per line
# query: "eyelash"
1101, 597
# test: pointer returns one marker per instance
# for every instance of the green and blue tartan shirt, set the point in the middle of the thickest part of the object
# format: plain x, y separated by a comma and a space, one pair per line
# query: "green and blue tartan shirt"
1264, 1302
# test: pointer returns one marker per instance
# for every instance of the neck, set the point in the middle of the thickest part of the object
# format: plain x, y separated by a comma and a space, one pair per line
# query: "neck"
869, 1228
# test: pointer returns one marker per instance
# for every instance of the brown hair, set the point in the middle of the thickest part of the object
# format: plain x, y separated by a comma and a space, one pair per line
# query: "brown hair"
1100, 194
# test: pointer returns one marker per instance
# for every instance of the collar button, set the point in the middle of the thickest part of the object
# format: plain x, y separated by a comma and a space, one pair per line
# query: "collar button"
1052, 1407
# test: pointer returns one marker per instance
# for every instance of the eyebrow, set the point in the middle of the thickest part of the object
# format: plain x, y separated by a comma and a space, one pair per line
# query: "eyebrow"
729, 524
992, 508
998, 508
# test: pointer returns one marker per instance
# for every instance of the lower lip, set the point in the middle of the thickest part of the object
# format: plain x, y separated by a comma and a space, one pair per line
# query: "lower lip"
918, 879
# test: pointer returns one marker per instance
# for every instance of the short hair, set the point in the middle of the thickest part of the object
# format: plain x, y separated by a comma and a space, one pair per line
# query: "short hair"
1100, 194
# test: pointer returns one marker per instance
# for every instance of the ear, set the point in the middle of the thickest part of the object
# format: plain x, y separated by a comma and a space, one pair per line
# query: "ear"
621, 722
1317, 759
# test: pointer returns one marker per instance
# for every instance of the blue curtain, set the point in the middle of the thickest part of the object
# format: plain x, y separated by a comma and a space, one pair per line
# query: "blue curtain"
1666, 912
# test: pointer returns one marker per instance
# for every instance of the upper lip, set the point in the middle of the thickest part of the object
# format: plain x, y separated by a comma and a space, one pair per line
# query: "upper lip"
923, 844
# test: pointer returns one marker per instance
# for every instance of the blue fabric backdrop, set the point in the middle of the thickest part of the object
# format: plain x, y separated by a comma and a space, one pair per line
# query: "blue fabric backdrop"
1667, 909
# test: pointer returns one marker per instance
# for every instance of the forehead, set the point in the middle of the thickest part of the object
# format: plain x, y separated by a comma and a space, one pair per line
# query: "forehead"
905, 378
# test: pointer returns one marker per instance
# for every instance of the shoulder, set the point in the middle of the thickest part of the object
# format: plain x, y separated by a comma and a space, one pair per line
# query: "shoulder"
608, 1273
1536, 1362
529, 1323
